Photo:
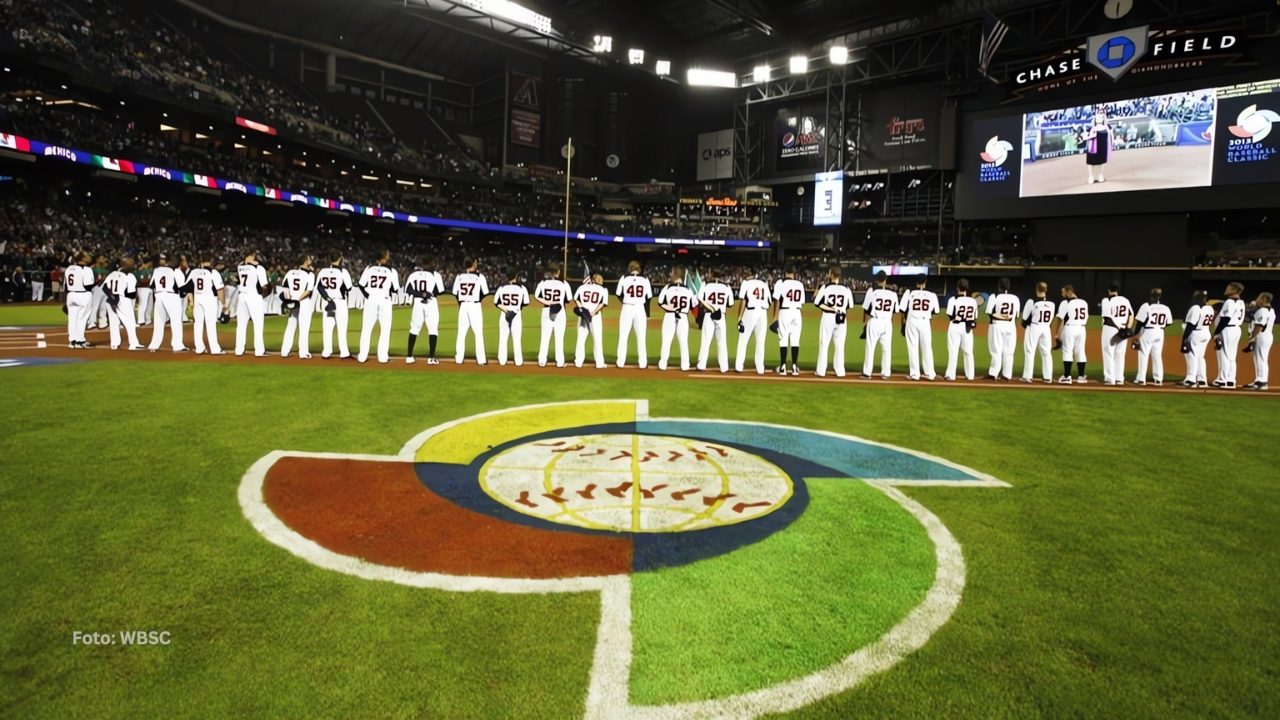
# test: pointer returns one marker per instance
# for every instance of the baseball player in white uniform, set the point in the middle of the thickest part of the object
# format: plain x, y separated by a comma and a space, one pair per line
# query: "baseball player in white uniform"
1227, 335
424, 285
1002, 310
511, 299
789, 295
165, 283
379, 282
250, 306
553, 294
206, 292
1264, 322
78, 281
1073, 316
753, 320
834, 300
677, 301
1197, 329
1117, 316
1037, 323
299, 303
878, 308
470, 288
1149, 324
633, 292
333, 285
918, 307
589, 303
962, 312
715, 298
121, 288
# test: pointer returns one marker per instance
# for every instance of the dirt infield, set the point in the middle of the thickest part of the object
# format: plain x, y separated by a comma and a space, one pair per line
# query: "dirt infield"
1141, 169
1173, 361
380, 512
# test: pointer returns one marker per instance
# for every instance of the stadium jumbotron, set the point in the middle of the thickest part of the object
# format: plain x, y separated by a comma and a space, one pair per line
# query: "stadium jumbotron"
569, 358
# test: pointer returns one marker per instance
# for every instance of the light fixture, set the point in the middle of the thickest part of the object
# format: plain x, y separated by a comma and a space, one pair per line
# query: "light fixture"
602, 44
700, 77
662, 68
761, 74
511, 11
799, 64
839, 55
635, 56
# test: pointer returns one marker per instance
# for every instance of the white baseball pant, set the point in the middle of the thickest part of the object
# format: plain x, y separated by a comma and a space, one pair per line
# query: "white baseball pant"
552, 327
714, 330
1113, 355
1036, 341
920, 349
513, 331
470, 320
338, 322
1261, 351
631, 319
830, 332
1004, 340
77, 315
678, 330
1151, 346
376, 310
122, 315
755, 323
206, 324
879, 333
1227, 355
168, 310
1197, 370
300, 322
595, 330
959, 339
249, 309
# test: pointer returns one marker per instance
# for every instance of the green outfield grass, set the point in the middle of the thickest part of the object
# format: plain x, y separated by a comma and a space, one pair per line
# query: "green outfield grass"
1130, 570
854, 349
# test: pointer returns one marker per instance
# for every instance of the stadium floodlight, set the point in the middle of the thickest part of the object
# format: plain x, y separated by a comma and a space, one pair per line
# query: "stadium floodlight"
699, 77
839, 55
799, 64
662, 68
511, 11
602, 44
761, 74
635, 56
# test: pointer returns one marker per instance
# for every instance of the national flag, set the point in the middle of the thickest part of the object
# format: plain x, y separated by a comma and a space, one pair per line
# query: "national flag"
993, 32
13, 142
204, 181
694, 282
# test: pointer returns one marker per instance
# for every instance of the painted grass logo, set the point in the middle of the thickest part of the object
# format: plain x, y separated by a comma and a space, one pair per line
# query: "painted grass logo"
703, 520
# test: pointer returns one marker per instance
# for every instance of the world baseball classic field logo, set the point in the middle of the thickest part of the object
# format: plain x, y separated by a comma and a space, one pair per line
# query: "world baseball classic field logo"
742, 568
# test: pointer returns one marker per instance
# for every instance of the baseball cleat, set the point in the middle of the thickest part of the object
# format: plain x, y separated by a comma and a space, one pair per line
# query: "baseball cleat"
1064, 380
782, 370
1025, 380
1230, 386
433, 361
1202, 384
181, 350
1259, 386
1157, 383
819, 374
662, 367
305, 357
864, 376
1139, 383
1219, 383
221, 352
135, 348
1187, 384
795, 370
410, 360
324, 356
1082, 380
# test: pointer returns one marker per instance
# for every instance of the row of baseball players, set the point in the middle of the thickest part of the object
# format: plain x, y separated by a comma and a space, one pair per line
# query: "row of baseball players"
304, 290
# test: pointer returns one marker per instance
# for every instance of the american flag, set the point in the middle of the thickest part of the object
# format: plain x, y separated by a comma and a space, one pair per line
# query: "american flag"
993, 31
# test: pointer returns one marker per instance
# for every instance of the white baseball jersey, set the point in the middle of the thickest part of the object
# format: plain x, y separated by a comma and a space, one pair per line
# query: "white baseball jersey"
880, 303
1264, 319
1155, 316
836, 296
1200, 317
167, 280
470, 287
511, 297
335, 281
78, 278
1233, 309
591, 296
424, 281
1038, 311
121, 283
755, 293
205, 282
919, 304
253, 278
380, 281
677, 298
962, 308
299, 282
1118, 309
1074, 312
789, 294
1004, 304
717, 295
634, 289
553, 291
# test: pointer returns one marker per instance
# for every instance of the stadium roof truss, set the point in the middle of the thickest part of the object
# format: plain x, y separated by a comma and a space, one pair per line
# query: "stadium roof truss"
469, 20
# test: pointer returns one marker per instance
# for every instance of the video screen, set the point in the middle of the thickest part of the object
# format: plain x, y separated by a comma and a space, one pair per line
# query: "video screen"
1147, 143
828, 198
900, 269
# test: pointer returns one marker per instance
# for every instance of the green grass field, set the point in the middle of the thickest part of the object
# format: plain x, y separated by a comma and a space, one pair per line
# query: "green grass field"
1129, 570
854, 349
